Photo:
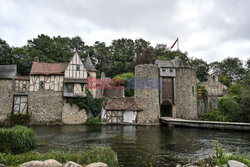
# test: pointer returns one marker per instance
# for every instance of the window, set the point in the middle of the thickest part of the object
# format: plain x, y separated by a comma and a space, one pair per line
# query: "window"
41, 85
193, 89
171, 70
70, 88
78, 67
24, 86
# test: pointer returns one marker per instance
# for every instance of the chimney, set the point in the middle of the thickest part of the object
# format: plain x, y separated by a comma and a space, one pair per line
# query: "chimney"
36, 59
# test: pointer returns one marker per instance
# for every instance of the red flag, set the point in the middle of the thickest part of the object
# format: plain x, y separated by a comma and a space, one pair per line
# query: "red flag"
174, 43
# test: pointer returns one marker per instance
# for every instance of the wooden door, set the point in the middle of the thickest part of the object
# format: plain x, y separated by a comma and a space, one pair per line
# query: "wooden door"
167, 90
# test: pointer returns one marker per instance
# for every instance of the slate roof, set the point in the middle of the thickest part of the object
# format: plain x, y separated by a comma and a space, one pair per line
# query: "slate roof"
122, 104
164, 63
113, 93
8, 71
48, 68
88, 64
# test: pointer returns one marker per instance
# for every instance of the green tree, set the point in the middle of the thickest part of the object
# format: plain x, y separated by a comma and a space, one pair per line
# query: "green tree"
5, 53
202, 69
224, 80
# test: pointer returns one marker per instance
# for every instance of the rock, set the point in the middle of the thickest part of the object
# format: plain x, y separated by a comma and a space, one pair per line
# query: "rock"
233, 163
33, 164
72, 164
178, 165
47, 163
2, 165
52, 163
97, 164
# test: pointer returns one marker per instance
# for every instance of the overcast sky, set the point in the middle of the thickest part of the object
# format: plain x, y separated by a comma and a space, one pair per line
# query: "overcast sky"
207, 29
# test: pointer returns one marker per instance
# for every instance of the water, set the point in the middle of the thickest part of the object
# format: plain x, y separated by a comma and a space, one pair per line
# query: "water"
144, 145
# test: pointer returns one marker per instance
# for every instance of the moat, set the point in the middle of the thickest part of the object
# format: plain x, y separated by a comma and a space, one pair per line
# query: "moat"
144, 145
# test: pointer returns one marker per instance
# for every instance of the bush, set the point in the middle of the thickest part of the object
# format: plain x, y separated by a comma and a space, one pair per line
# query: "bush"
94, 154
214, 115
19, 119
129, 90
222, 157
18, 139
93, 121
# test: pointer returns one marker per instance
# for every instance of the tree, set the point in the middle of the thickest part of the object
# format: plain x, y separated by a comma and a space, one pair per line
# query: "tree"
146, 58
202, 69
5, 51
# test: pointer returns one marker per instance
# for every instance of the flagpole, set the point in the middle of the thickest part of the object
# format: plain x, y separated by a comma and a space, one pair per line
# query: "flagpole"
178, 44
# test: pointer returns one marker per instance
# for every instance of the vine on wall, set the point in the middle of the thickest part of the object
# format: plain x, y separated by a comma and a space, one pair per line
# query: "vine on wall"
204, 95
89, 103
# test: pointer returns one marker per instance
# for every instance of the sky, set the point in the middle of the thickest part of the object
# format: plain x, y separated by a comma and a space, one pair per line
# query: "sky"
209, 29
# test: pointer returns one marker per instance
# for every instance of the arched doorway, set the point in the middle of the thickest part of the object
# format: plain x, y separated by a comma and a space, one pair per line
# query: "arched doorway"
166, 109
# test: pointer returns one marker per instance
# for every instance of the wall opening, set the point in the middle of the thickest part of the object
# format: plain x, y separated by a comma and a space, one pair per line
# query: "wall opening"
166, 110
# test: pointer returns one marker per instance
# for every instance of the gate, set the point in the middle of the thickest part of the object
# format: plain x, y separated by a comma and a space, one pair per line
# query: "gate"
167, 90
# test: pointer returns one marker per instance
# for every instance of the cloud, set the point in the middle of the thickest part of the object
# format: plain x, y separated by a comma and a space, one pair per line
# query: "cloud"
211, 30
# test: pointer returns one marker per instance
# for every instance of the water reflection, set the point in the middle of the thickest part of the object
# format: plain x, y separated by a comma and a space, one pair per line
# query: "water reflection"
144, 145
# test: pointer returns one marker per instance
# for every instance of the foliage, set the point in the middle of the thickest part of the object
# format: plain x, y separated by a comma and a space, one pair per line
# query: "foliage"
234, 89
224, 80
93, 121
19, 119
202, 69
89, 103
147, 57
129, 90
214, 115
222, 157
18, 139
94, 154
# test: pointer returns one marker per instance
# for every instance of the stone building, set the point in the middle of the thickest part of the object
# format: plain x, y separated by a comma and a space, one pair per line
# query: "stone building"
41, 94
215, 91
177, 93
7, 76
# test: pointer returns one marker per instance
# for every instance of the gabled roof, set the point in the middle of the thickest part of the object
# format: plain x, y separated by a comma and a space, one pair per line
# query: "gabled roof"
88, 64
164, 63
122, 104
8, 71
48, 68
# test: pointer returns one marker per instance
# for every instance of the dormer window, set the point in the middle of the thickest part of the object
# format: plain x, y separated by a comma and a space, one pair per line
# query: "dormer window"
78, 67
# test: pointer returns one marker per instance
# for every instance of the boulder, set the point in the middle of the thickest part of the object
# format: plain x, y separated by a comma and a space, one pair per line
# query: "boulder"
72, 164
233, 163
47, 163
2, 165
97, 164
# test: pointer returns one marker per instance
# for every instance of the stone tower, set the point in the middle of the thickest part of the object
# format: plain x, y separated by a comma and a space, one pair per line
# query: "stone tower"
147, 94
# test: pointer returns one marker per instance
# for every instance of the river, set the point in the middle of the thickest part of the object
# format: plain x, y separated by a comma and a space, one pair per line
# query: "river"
146, 145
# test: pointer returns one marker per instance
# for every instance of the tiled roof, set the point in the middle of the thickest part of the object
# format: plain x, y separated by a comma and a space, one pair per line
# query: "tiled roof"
88, 64
7, 71
114, 93
122, 104
48, 68
25, 78
164, 63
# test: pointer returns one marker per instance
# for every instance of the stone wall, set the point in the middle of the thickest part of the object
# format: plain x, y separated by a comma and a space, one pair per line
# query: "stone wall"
147, 98
46, 107
72, 114
6, 99
186, 104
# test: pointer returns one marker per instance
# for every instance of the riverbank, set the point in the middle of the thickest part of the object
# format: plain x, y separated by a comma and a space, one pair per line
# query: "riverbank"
206, 124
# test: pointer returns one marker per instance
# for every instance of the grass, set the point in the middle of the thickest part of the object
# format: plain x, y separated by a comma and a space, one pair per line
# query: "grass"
222, 157
16, 140
94, 154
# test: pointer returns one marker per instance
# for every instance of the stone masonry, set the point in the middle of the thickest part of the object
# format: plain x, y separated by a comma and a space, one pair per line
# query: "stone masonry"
45, 107
147, 98
72, 115
6, 98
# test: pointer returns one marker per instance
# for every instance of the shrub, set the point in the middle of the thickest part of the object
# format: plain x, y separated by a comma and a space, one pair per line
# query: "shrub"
18, 139
124, 78
19, 119
214, 115
93, 121
222, 157
94, 154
